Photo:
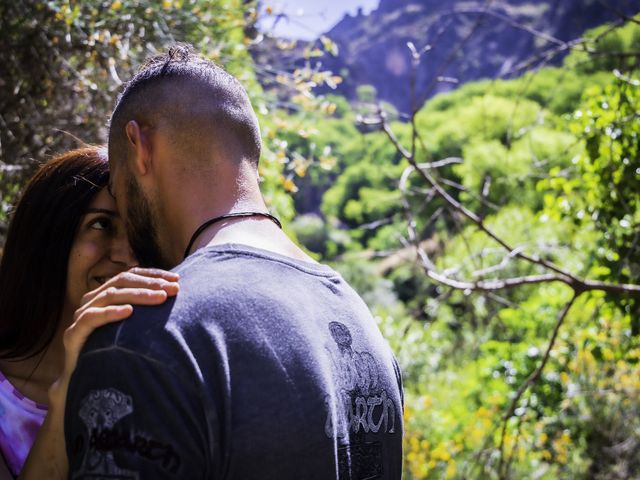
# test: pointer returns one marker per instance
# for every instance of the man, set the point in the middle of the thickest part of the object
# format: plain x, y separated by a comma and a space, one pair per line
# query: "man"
266, 365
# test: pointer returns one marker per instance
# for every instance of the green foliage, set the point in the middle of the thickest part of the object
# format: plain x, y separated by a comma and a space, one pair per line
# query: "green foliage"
64, 63
366, 93
608, 48
63, 50
600, 192
356, 197
481, 117
509, 173
608, 174
311, 231
520, 227
549, 161
558, 89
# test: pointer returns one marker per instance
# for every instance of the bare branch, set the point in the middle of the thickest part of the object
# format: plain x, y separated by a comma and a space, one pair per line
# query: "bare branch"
551, 53
494, 285
452, 56
440, 163
507, 20
536, 373
4, 167
533, 376
468, 213
462, 188
500, 266
578, 285
619, 13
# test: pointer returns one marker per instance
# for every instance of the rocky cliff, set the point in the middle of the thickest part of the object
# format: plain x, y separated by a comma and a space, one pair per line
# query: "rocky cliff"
467, 40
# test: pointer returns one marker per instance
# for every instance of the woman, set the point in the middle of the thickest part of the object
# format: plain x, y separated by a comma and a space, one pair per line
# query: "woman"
65, 270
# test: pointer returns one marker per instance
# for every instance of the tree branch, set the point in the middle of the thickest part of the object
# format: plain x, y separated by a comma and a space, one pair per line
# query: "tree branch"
533, 376
559, 275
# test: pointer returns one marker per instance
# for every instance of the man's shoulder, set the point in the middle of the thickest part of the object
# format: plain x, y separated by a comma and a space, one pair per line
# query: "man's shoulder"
222, 288
209, 282
146, 327
233, 256
232, 275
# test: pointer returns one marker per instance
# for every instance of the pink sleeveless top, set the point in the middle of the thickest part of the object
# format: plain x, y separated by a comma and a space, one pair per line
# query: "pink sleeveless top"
20, 420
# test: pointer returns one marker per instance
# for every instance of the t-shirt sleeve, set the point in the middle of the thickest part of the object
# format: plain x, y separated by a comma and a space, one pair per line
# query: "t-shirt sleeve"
129, 417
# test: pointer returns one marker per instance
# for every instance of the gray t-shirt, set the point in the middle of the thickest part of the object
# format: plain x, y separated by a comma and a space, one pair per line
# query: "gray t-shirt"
263, 367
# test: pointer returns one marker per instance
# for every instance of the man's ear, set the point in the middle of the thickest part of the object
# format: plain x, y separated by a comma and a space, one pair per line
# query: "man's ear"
140, 142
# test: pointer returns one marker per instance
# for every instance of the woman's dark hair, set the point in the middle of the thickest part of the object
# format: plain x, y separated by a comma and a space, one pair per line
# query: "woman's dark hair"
33, 269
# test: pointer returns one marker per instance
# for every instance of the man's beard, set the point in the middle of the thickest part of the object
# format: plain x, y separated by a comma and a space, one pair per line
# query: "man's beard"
142, 229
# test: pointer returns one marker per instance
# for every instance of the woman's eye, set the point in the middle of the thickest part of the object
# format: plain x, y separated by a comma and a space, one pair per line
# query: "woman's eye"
101, 223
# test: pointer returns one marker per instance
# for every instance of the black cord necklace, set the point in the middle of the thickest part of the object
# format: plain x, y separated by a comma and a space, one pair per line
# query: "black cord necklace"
211, 221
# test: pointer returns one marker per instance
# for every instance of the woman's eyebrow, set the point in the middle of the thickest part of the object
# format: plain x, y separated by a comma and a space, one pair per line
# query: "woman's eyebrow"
105, 211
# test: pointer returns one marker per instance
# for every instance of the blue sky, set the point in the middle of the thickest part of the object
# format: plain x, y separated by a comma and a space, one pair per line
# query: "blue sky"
309, 18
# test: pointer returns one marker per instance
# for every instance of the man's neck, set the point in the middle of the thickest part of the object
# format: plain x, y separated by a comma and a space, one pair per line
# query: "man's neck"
257, 232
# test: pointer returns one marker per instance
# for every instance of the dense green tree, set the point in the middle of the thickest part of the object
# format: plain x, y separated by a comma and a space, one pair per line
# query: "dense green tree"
64, 61
548, 163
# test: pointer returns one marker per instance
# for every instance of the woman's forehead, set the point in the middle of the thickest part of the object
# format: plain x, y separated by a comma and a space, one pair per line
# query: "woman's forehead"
103, 201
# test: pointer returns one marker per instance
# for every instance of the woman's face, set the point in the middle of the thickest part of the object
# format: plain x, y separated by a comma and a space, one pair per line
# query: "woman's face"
100, 249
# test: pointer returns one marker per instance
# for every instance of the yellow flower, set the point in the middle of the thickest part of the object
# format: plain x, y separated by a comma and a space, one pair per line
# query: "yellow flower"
440, 453
476, 434
300, 169
327, 163
451, 469
415, 444
289, 186
483, 413
543, 438
329, 108
407, 412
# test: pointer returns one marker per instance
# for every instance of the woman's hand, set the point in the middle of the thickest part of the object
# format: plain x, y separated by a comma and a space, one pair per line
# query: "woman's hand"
111, 302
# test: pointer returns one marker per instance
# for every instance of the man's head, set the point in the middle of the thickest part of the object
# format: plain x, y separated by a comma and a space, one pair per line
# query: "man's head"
179, 116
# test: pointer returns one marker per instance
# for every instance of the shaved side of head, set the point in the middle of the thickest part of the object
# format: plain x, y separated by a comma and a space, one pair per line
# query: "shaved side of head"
206, 110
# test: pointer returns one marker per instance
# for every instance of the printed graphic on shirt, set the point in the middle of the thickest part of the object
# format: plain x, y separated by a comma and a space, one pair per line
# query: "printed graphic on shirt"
363, 406
101, 411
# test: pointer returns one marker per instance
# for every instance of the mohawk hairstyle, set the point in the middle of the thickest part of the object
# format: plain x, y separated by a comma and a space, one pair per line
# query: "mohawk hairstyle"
231, 113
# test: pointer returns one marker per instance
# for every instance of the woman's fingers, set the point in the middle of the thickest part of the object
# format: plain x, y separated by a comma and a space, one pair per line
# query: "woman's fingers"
156, 272
138, 277
141, 286
91, 318
145, 278
121, 296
